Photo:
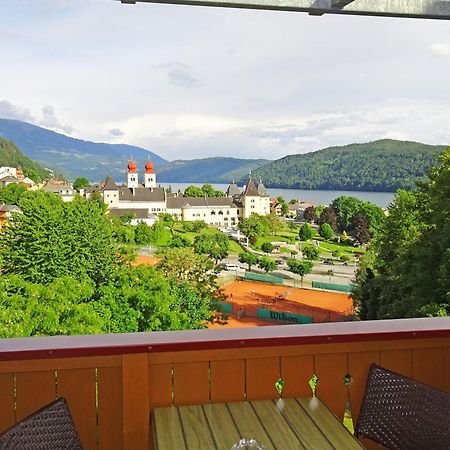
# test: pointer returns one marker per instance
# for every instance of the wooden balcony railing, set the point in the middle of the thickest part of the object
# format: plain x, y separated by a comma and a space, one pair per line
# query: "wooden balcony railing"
112, 381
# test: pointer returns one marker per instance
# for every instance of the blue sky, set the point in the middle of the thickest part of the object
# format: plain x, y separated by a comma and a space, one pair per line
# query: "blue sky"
190, 82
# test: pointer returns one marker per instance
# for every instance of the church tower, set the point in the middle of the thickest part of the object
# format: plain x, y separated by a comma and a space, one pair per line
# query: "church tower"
132, 181
149, 175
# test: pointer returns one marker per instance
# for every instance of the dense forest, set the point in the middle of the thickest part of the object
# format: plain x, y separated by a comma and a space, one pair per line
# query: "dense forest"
385, 165
11, 156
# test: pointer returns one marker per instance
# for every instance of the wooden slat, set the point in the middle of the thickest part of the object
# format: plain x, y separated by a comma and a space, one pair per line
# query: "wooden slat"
261, 375
191, 383
293, 350
33, 391
197, 432
7, 414
78, 388
304, 427
276, 426
248, 424
296, 372
331, 370
428, 366
110, 420
167, 430
221, 422
136, 409
399, 361
447, 368
228, 381
160, 385
331, 427
358, 368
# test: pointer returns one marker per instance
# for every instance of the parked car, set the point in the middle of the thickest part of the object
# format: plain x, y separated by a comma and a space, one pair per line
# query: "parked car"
232, 267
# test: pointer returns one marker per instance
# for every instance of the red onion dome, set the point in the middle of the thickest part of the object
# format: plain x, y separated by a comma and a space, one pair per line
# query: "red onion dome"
132, 167
149, 168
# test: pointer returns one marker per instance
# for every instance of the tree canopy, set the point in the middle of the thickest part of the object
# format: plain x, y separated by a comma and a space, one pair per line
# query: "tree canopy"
52, 239
205, 191
406, 273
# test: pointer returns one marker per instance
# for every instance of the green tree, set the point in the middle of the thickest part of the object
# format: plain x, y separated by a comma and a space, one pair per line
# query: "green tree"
306, 232
248, 258
407, 271
80, 183
167, 219
193, 191
209, 191
274, 223
12, 193
311, 253
326, 231
52, 239
300, 267
179, 241
214, 245
60, 308
267, 264
254, 226
143, 234
267, 247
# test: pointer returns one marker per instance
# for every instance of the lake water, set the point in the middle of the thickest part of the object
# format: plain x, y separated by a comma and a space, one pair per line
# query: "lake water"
318, 197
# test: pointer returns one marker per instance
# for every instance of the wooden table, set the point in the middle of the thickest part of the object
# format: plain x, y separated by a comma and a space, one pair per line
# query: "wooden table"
302, 423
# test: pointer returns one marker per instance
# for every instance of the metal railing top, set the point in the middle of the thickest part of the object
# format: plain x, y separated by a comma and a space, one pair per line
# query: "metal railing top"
423, 9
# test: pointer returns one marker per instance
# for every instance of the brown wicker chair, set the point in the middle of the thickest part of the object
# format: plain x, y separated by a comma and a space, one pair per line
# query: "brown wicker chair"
50, 428
403, 414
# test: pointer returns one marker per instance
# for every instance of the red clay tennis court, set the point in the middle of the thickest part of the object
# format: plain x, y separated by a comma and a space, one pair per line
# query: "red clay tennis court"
247, 296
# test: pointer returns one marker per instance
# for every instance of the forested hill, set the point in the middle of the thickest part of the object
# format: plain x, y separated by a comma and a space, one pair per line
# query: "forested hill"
208, 170
383, 165
11, 156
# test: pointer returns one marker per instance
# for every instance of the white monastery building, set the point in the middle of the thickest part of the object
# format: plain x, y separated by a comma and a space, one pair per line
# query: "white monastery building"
146, 200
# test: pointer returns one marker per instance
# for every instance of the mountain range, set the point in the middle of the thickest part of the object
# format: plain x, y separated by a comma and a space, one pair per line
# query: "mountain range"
383, 165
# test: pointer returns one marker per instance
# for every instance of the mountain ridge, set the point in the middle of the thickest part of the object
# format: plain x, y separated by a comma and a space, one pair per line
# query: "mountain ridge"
383, 165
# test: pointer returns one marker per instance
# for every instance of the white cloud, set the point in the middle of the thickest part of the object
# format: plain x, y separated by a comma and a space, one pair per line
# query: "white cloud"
11, 111
49, 120
116, 132
440, 49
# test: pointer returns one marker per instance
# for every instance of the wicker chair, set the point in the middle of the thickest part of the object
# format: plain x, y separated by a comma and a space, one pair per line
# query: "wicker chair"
50, 428
403, 414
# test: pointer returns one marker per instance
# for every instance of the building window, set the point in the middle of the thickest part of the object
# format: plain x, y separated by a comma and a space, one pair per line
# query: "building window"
228, 213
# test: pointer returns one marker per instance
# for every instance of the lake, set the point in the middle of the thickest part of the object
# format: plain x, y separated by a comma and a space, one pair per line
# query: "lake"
381, 199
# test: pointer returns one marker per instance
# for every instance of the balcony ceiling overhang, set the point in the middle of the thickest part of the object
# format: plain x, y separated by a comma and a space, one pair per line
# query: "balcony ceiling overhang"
425, 9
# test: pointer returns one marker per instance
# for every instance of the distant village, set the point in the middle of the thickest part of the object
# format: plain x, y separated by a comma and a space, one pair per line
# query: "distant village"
143, 198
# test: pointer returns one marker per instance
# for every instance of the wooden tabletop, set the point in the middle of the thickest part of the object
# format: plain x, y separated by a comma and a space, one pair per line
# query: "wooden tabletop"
299, 423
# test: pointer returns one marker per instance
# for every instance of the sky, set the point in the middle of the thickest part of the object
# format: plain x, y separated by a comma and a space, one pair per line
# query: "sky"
192, 82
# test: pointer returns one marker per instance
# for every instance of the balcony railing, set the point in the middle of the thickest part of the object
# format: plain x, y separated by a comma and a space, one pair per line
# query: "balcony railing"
112, 381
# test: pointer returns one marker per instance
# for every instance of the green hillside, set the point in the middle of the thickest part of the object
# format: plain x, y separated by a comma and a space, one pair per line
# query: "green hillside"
383, 165
11, 156
208, 170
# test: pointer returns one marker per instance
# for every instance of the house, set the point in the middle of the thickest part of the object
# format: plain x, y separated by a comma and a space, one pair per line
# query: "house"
6, 212
276, 207
61, 188
297, 209
10, 175
147, 200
